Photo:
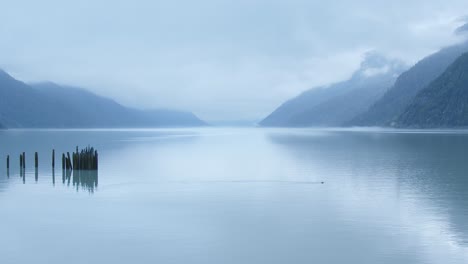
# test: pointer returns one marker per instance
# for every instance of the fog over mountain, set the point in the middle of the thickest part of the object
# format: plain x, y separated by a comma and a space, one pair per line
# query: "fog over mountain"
48, 105
223, 60
338, 103
462, 30
387, 109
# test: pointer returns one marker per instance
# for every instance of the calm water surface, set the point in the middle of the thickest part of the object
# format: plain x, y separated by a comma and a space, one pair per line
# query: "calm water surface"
238, 196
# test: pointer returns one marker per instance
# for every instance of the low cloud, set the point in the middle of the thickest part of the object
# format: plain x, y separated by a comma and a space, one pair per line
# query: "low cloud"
221, 59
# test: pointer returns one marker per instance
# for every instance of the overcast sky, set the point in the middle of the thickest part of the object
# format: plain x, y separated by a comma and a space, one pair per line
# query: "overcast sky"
223, 60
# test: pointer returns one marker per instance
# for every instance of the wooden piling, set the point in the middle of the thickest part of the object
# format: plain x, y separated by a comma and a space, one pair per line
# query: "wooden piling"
70, 167
85, 159
75, 160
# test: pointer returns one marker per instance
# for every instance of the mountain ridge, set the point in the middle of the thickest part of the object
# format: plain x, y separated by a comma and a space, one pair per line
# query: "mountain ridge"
330, 105
49, 105
443, 103
408, 84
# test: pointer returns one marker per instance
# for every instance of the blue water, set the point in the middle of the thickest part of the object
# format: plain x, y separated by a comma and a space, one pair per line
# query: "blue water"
222, 195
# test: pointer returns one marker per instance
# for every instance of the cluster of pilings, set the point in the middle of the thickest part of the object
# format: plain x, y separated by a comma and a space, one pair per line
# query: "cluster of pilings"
86, 159
79, 168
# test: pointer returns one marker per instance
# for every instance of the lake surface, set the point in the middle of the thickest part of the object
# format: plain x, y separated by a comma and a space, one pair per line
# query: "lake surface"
219, 195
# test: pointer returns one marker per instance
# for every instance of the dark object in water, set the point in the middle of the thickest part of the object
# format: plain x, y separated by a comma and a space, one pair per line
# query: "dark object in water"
86, 159
63, 161
69, 164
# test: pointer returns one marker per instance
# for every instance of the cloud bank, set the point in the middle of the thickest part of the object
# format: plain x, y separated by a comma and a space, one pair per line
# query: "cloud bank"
223, 60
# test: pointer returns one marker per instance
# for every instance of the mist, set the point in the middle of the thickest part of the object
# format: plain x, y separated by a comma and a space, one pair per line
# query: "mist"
222, 60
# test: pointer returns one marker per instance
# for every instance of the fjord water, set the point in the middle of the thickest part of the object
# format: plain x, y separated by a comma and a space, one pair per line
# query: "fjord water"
218, 195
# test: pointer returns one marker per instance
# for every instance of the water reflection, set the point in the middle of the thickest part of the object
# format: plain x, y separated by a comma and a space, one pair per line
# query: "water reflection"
242, 197
85, 179
428, 167
80, 179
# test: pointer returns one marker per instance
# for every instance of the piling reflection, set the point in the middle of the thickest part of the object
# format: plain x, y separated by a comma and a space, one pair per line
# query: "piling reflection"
66, 175
85, 179
82, 167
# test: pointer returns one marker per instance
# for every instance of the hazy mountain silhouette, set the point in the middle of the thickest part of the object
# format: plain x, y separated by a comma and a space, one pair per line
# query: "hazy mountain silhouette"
462, 29
386, 110
48, 105
444, 103
338, 103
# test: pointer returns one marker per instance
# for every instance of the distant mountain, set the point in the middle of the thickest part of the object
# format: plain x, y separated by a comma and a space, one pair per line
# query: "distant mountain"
386, 110
48, 105
338, 103
23, 106
444, 103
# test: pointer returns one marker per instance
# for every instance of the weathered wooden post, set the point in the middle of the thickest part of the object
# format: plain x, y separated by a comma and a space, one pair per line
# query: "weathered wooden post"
53, 159
70, 167
63, 161
75, 160
8, 162
24, 160
36, 160
21, 161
